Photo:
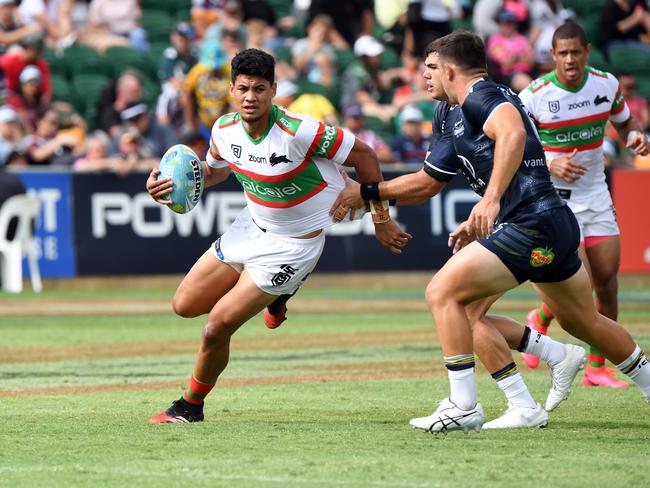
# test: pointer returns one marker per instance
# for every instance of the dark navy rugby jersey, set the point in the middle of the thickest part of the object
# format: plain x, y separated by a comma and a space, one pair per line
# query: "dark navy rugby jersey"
458, 143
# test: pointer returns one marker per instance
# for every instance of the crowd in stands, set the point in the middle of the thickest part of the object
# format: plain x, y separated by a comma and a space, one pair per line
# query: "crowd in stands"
111, 84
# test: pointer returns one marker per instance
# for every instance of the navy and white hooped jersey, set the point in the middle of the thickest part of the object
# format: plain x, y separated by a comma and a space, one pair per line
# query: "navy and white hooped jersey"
459, 143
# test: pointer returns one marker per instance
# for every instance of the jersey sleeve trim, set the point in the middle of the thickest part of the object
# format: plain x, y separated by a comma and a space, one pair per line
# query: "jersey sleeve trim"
492, 113
213, 157
437, 173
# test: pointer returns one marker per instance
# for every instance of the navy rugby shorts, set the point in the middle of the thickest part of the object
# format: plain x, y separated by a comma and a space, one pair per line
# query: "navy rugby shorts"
541, 247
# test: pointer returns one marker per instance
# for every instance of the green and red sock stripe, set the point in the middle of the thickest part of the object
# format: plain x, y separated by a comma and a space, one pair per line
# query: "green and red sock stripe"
196, 392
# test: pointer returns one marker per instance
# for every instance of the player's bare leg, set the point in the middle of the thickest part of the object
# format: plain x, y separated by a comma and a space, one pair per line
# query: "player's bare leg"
576, 312
471, 274
235, 299
203, 286
604, 259
494, 353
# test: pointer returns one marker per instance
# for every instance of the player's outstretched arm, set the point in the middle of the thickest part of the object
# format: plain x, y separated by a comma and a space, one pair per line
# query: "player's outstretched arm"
214, 176
631, 132
366, 165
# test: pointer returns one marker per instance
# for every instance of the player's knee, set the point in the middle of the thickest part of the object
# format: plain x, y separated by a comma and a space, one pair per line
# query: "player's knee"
435, 294
607, 289
217, 332
183, 306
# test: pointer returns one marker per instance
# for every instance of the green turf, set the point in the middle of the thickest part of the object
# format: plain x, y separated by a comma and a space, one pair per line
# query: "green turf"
335, 414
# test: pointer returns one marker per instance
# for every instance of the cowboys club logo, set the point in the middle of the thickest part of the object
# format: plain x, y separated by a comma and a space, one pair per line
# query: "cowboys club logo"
283, 276
554, 106
236, 150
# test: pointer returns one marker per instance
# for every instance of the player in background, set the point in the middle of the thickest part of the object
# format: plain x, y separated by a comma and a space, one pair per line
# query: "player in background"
286, 164
570, 107
524, 231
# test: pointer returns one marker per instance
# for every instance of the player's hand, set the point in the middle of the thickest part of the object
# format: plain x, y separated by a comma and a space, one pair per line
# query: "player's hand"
638, 142
566, 168
460, 237
481, 220
348, 199
391, 236
159, 188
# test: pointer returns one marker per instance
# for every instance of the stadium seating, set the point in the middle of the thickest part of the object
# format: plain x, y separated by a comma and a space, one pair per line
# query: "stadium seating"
121, 58
61, 89
626, 58
87, 88
79, 59
158, 24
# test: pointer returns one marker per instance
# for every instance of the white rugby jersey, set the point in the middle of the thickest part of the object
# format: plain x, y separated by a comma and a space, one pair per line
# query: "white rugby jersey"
288, 174
568, 119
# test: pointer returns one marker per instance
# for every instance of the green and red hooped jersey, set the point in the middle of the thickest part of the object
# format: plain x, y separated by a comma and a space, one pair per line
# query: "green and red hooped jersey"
289, 175
568, 119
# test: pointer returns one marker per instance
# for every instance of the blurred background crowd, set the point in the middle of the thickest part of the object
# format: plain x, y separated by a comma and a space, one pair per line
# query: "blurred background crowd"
111, 84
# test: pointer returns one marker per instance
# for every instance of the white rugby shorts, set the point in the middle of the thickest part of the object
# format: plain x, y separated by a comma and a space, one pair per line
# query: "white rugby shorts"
597, 218
278, 265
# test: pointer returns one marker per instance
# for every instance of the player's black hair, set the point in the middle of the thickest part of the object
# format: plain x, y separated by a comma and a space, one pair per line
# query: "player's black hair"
463, 48
253, 62
570, 30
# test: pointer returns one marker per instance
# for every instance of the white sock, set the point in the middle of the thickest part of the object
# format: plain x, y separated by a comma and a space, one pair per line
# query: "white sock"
513, 387
548, 350
462, 386
637, 368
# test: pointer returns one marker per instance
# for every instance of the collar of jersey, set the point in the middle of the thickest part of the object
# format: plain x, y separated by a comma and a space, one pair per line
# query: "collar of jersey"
272, 118
557, 82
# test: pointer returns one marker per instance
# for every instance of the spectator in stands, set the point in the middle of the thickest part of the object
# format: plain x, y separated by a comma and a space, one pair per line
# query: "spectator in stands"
13, 63
11, 136
46, 145
230, 19
28, 100
114, 99
132, 155
355, 121
11, 29
520, 9
175, 62
546, 16
510, 54
413, 91
314, 56
365, 83
637, 104
206, 12
410, 146
206, 95
626, 22
313, 104
96, 154
154, 138
258, 9
484, 17
54, 16
428, 20
114, 23
352, 18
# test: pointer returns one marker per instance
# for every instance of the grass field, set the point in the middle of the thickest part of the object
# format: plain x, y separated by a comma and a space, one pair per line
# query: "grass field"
324, 401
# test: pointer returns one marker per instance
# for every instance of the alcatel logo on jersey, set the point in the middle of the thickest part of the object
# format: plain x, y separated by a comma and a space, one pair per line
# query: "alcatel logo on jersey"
582, 103
275, 192
580, 135
256, 159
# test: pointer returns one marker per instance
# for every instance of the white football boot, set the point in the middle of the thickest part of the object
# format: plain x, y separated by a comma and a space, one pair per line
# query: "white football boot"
449, 417
520, 418
563, 374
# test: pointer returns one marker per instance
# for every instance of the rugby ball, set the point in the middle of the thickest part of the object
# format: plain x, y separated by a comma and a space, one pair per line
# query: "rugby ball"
183, 166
